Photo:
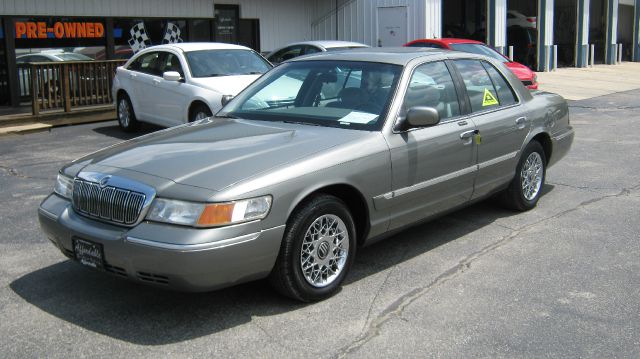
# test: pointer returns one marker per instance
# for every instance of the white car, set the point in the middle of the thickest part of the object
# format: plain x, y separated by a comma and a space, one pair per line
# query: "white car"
516, 18
172, 84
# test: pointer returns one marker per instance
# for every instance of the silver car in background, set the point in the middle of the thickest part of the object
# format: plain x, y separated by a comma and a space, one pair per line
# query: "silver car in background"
361, 144
296, 49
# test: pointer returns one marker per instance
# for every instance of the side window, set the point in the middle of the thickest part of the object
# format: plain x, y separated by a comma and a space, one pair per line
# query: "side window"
286, 54
482, 93
171, 62
148, 63
426, 44
431, 85
310, 50
505, 92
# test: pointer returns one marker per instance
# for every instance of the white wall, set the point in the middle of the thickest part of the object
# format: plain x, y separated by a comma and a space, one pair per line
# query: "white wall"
281, 21
102, 8
357, 19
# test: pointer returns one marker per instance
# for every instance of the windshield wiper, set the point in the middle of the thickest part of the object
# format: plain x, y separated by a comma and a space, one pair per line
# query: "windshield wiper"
215, 75
301, 123
254, 73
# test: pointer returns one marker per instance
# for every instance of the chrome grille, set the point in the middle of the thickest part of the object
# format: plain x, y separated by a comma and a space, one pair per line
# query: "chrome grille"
107, 203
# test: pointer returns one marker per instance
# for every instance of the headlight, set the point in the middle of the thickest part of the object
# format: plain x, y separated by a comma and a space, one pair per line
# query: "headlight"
208, 214
64, 186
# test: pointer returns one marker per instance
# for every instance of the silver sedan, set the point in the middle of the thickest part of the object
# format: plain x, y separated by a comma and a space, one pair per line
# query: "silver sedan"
320, 156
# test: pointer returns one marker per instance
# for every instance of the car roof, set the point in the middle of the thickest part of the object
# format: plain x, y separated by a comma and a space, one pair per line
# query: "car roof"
449, 40
327, 44
391, 55
198, 46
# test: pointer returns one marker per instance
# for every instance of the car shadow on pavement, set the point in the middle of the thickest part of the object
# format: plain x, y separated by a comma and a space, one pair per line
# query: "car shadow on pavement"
149, 316
116, 132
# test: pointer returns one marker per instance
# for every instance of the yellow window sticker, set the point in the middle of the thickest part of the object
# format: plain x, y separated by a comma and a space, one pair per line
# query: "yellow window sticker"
488, 99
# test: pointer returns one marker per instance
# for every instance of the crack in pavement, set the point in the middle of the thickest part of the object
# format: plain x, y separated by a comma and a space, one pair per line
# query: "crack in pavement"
606, 108
588, 188
14, 173
396, 309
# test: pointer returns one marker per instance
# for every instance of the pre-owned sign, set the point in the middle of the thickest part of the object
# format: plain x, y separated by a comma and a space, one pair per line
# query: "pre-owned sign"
59, 30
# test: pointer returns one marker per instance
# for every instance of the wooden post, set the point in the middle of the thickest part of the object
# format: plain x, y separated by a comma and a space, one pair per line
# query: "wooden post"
35, 104
65, 85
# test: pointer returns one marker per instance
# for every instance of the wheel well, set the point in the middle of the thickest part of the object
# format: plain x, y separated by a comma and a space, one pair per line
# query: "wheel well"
355, 203
121, 93
545, 141
194, 104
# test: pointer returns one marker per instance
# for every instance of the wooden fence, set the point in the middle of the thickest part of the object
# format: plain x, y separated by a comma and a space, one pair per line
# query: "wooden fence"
67, 85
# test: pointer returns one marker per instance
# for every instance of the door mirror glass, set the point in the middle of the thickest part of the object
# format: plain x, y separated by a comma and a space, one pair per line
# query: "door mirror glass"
171, 76
422, 116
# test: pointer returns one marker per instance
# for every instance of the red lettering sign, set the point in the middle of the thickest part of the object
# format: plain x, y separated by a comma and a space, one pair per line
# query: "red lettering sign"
59, 30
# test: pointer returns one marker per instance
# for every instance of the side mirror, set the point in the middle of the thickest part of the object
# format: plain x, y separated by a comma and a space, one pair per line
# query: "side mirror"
172, 76
419, 116
225, 99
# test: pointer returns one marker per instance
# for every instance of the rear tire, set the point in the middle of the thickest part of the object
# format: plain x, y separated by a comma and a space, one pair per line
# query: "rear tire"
525, 189
126, 116
317, 250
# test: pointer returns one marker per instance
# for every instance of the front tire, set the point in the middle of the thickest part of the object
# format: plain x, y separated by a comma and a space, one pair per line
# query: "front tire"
317, 250
126, 116
199, 111
525, 189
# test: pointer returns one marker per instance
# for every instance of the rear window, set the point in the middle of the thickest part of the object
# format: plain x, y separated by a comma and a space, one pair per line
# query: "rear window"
480, 50
211, 63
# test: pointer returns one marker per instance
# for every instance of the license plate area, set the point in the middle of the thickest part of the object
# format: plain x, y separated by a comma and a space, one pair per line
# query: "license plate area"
88, 253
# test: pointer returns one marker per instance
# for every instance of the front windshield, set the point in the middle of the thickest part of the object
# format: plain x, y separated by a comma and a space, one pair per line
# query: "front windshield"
327, 93
479, 49
211, 63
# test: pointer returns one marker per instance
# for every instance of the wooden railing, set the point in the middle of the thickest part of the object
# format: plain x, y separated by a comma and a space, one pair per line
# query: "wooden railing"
67, 85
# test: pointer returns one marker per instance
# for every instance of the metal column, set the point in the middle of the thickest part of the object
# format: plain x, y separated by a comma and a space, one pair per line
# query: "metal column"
582, 46
497, 24
545, 34
636, 32
612, 32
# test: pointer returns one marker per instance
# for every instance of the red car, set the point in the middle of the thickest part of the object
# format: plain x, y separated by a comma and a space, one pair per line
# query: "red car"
528, 77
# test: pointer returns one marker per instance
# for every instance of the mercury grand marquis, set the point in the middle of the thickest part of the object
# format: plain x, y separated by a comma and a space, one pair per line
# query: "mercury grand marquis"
318, 157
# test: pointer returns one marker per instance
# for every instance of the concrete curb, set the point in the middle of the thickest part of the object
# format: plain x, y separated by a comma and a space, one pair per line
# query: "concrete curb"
22, 124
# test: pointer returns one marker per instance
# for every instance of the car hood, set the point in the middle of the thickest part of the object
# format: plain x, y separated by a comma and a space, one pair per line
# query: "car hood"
225, 85
217, 153
522, 72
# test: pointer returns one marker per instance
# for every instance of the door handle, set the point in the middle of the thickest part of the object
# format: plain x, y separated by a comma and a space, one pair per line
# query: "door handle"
468, 134
521, 122
156, 81
132, 75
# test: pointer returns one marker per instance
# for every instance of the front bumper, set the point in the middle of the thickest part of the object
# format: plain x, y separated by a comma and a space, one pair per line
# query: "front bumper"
176, 257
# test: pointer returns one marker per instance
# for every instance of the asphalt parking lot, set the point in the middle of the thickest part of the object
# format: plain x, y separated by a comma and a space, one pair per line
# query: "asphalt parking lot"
562, 280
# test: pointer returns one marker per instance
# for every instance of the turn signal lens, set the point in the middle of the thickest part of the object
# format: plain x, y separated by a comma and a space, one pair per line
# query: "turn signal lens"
219, 214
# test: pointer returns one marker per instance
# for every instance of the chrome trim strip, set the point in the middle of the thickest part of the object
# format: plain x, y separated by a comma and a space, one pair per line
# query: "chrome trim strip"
497, 160
195, 247
563, 135
429, 183
46, 213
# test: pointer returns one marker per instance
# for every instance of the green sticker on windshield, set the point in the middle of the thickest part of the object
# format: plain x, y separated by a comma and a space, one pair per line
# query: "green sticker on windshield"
488, 99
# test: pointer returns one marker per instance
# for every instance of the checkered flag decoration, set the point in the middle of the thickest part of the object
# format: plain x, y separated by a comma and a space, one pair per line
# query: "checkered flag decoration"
139, 39
172, 34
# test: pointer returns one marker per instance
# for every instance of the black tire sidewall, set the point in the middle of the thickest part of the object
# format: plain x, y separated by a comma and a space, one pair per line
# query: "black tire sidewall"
295, 236
199, 108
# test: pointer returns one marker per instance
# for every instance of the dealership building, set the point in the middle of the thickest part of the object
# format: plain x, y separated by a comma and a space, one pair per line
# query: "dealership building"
541, 33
